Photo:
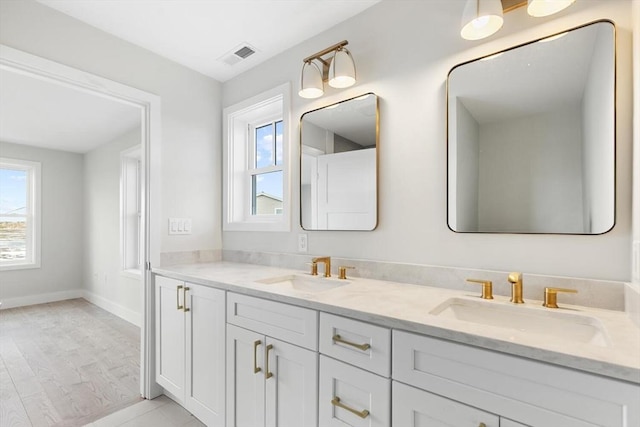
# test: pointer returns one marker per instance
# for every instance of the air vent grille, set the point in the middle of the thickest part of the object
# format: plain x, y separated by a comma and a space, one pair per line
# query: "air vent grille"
238, 54
244, 52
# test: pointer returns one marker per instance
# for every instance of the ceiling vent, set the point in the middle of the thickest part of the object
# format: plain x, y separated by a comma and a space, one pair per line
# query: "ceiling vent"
238, 54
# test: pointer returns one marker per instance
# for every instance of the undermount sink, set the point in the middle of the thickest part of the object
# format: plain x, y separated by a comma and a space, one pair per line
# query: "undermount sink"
305, 283
571, 327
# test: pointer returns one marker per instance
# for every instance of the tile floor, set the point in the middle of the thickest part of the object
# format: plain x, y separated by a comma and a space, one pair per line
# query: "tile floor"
159, 412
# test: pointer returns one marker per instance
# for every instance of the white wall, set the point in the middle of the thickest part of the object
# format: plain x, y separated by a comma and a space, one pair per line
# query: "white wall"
596, 104
103, 280
403, 52
60, 272
530, 178
191, 113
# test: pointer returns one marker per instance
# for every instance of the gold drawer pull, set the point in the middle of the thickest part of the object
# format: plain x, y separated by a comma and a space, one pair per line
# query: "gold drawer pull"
178, 297
363, 347
336, 402
268, 374
256, 368
184, 298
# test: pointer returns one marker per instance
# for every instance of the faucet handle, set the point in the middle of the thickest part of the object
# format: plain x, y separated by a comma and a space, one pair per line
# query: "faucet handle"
314, 268
551, 296
342, 271
487, 287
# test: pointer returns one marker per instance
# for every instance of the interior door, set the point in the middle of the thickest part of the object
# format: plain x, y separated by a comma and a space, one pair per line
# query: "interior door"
347, 190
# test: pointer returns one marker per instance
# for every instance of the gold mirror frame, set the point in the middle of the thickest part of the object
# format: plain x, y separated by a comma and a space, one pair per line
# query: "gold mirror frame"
453, 169
371, 191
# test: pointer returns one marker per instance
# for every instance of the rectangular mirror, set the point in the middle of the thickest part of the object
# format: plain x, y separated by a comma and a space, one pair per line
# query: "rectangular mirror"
338, 165
531, 137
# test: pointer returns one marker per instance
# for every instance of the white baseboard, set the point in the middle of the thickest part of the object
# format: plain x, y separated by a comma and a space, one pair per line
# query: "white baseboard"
41, 298
113, 308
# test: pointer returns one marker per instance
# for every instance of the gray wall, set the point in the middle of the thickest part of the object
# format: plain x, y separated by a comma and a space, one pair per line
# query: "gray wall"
60, 272
103, 279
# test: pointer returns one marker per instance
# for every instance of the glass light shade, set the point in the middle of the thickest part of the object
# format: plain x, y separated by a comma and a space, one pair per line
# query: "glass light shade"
311, 85
342, 71
539, 8
481, 18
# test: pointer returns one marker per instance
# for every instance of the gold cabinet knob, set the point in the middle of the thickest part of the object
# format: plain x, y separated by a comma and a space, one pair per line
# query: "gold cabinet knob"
487, 287
551, 296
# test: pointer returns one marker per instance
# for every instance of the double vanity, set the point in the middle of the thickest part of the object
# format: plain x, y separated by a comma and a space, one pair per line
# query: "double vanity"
248, 345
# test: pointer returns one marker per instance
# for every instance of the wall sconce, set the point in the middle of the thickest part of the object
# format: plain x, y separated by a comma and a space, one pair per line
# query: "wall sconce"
482, 18
339, 71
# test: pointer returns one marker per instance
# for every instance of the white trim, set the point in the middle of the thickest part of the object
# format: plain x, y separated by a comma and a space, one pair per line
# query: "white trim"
121, 311
41, 298
40, 68
235, 199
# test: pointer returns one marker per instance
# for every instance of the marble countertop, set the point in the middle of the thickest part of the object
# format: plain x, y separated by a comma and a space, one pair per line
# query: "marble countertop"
408, 307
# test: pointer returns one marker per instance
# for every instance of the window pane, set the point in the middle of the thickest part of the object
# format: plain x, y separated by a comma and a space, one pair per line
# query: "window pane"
13, 210
266, 193
264, 146
279, 150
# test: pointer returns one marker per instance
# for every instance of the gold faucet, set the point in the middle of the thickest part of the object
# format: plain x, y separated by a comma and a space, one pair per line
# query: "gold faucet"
516, 287
487, 287
327, 264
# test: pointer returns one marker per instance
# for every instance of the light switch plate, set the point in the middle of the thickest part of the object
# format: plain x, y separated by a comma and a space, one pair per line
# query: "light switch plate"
180, 226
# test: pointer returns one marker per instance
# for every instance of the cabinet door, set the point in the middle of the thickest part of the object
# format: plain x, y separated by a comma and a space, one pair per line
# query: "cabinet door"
205, 343
170, 349
350, 396
413, 407
291, 374
245, 378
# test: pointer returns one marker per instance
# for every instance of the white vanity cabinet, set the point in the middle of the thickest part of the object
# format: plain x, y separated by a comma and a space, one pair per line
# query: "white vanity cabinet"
515, 389
355, 389
413, 407
272, 364
190, 338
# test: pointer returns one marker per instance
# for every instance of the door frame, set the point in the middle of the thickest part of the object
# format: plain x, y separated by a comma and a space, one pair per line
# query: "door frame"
149, 105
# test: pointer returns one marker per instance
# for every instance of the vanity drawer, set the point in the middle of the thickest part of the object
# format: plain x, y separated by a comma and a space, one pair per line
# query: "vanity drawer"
534, 393
289, 323
358, 343
349, 396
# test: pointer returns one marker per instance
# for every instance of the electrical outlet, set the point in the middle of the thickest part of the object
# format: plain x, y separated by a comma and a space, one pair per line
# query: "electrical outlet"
302, 243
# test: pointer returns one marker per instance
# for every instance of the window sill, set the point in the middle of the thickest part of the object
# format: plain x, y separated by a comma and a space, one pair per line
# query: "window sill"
25, 266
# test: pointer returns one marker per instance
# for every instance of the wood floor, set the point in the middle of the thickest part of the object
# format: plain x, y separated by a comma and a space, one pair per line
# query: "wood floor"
66, 364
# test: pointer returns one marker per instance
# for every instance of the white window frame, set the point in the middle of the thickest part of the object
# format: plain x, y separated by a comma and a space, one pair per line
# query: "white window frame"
239, 122
131, 238
33, 214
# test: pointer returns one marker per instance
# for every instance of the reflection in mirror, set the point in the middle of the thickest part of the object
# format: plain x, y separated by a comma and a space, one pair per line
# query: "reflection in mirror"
531, 137
338, 166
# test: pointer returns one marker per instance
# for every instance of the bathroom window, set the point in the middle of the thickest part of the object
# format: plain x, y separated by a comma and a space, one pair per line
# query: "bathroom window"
255, 163
19, 214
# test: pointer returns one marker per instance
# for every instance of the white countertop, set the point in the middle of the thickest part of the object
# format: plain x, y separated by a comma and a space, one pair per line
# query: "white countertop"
407, 307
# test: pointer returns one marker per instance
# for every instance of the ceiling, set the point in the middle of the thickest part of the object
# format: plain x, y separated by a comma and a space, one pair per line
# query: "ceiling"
47, 114
201, 34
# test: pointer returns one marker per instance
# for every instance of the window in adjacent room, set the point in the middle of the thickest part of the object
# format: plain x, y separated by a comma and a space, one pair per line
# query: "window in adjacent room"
19, 214
131, 211
256, 158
